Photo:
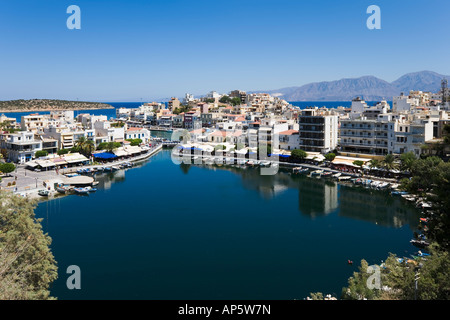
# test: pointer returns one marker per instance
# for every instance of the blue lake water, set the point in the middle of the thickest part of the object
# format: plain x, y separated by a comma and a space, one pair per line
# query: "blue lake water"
164, 231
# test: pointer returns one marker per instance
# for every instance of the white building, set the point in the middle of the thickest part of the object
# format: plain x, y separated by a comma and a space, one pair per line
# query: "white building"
318, 130
20, 146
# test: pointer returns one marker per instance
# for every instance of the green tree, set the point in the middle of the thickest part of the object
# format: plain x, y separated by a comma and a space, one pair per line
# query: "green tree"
330, 156
374, 163
89, 147
397, 279
135, 142
225, 99
111, 146
62, 151
40, 153
7, 167
298, 154
358, 163
389, 162
235, 101
27, 266
407, 160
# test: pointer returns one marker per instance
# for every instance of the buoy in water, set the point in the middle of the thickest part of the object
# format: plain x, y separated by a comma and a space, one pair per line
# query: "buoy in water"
350, 262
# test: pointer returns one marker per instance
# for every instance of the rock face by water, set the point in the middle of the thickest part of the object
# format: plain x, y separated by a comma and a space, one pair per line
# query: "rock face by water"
369, 88
49, 105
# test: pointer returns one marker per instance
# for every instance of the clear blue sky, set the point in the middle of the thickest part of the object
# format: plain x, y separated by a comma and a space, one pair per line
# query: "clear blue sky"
128, 50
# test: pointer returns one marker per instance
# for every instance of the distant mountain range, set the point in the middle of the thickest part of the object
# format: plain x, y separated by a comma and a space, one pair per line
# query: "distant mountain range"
368, 88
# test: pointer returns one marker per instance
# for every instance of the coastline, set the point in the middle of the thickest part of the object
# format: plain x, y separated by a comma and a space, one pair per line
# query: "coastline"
31, 191
53, 109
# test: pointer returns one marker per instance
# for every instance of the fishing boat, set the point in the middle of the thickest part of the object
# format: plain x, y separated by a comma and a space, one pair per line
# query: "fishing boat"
43, 193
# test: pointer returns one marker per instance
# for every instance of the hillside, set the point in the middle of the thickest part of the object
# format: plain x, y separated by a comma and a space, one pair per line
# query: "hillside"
369, 88
49, 105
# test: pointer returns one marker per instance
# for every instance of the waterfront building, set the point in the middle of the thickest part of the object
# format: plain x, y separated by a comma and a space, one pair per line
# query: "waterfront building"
318, 130
104, 132
67, 136
20, 146
138, 133
289, 139
363, 136
410, 134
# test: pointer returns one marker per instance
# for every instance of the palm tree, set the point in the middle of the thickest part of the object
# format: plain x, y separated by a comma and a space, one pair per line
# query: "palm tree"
81, 142
374, 163
89, 147
110, 147
388, 162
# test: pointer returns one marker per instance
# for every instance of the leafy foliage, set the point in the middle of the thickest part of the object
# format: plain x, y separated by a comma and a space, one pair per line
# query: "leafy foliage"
27, 266
298, 154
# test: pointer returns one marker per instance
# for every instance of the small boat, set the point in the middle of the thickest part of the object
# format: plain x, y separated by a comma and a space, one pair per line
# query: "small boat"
383, 185
265, 163
424, 220
349, 261
419, 243
316, 173
299, 170
398, 193
337, 175
43, 193
81, 190
61, 189
327, 174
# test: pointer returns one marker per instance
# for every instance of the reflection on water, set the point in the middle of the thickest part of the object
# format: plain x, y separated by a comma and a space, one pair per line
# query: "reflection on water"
316, 197
320, 197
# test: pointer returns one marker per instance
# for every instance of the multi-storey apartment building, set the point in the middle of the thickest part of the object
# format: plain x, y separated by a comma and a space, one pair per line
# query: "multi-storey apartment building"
318, 130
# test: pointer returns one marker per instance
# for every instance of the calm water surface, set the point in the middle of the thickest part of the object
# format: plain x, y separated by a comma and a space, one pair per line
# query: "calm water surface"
164, 231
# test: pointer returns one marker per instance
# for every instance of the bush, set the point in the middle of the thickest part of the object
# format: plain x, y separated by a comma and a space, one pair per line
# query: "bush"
41, 153
62, 151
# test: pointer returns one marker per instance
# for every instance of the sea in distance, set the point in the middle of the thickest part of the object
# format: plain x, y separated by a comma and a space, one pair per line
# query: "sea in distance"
111, 113
165, 231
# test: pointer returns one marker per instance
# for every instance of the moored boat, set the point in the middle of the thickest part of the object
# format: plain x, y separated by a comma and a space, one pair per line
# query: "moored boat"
419, 243
43, 193
81, 190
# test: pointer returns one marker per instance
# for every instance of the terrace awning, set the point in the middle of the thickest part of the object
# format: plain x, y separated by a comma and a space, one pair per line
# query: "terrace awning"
104, 155
32, 164
45, 163
74, 158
